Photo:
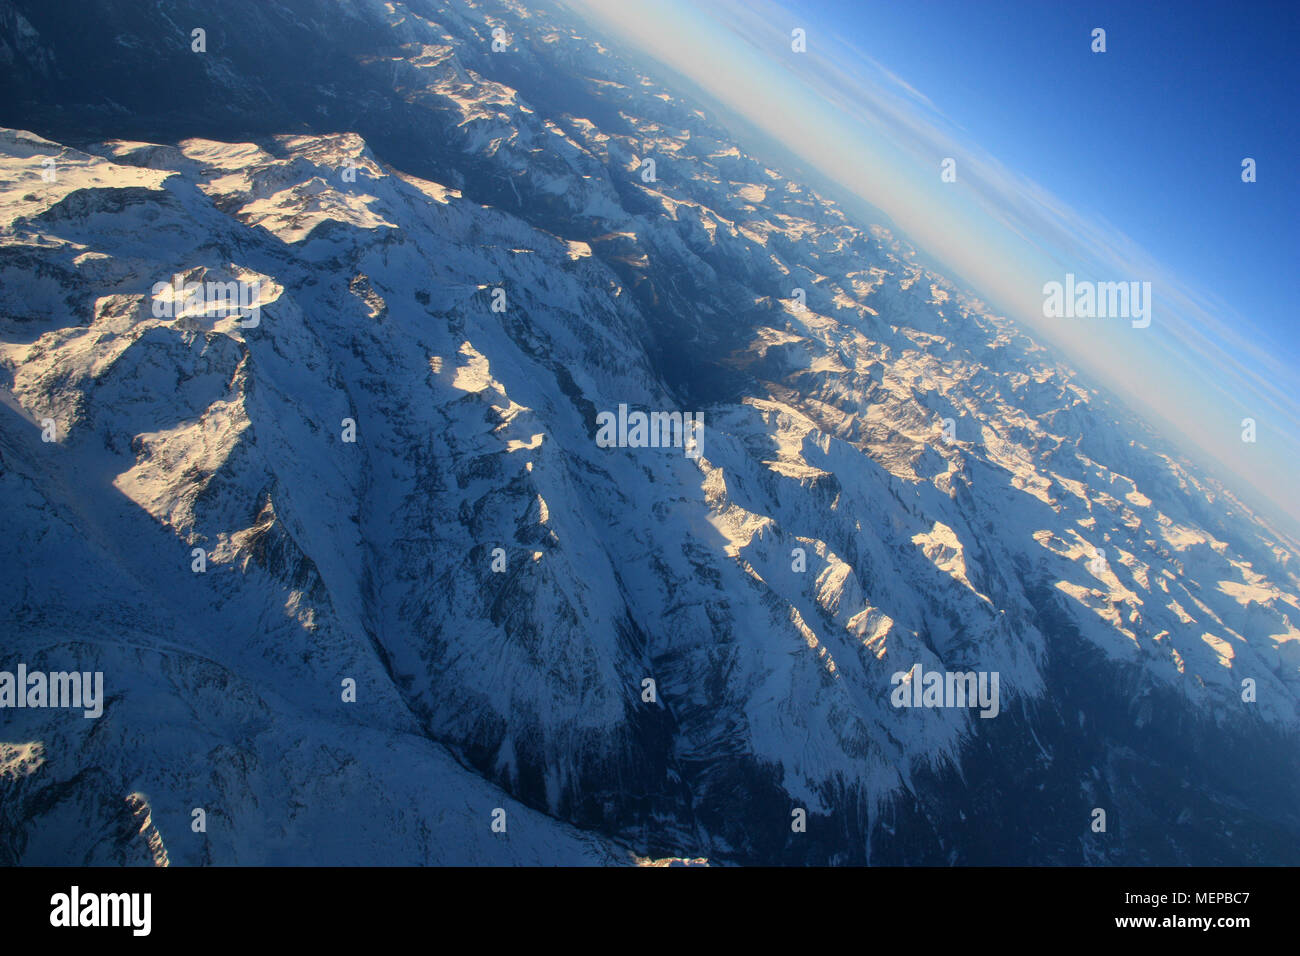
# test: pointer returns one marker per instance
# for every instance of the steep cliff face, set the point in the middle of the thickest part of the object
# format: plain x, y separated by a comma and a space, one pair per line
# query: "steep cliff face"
382, 467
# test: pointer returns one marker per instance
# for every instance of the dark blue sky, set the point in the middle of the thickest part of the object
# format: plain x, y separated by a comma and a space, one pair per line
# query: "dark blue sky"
1149, 136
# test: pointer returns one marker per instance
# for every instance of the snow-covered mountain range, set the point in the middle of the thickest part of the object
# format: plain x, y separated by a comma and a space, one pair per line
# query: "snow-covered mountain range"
385, 471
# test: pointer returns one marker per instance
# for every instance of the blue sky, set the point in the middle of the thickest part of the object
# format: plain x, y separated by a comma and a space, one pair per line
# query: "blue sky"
1151, 133
1123, 165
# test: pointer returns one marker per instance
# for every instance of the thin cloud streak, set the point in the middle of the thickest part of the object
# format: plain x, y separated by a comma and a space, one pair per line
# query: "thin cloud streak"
1199, 368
